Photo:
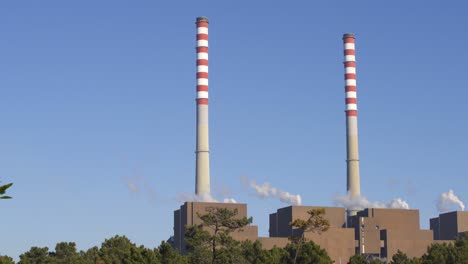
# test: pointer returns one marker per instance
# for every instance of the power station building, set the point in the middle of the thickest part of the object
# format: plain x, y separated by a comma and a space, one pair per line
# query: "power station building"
374, 232
449, 225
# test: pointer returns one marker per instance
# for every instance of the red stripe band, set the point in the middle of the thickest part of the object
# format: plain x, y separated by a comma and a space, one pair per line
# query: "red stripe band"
351, 113
350, 88
202, 88
202, 49
349, 52
350, 76
202, 75
349, 40
350, 64
351, 101
202, 62
202, 24
202, 36
202, 101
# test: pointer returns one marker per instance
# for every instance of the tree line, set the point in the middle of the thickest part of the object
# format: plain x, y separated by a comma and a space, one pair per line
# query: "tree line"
211, 243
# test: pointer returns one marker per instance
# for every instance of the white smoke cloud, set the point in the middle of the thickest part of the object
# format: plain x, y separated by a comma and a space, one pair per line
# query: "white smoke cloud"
447, 200
229, 200
266, 190
398, 203
205, 197
361, 202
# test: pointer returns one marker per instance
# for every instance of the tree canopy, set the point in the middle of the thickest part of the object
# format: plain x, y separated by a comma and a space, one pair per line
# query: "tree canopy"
120, 250
316, 223
3, 189
213, 234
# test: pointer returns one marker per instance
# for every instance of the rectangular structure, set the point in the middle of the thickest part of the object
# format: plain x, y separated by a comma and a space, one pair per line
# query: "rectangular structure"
338, 241
449, 225
382, 232
187, 215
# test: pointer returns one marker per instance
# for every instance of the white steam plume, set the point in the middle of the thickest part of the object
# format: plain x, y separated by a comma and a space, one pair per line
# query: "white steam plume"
398, 203
205, 197
361, 202
229, 200
447, 199
266, 190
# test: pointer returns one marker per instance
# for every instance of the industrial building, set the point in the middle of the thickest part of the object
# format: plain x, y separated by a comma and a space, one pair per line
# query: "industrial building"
382, 232
338, 240
187, 216
449, 225
374, 232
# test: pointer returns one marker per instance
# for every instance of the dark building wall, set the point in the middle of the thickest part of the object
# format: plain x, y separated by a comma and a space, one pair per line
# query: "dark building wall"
434, 226
273, 226
283, 218
449, 225
177, 230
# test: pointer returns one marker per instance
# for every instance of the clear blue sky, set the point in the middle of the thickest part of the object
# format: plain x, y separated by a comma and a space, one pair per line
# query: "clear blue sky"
93, 93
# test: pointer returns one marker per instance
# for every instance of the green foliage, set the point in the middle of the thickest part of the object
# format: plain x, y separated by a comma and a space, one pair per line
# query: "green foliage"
213, 236
316, 223
65, 253
461, 245
198, 243
439, 254
6, 260
36, 255
360, 259
169, 255
278, 254
254, 253
357, 259
149, 256
3, 189
444, 253
307, 253
400, 258
91, 256
120, 250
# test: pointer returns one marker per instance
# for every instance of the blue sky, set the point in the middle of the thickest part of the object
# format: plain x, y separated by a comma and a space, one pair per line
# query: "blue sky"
94, 94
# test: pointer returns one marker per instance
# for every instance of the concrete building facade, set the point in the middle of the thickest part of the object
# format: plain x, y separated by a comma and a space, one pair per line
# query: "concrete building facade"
382, 232
449, 225
373, 232
187, 215
338, 241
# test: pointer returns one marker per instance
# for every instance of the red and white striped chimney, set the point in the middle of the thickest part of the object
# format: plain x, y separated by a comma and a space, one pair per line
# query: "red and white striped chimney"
202, 177
353, 178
